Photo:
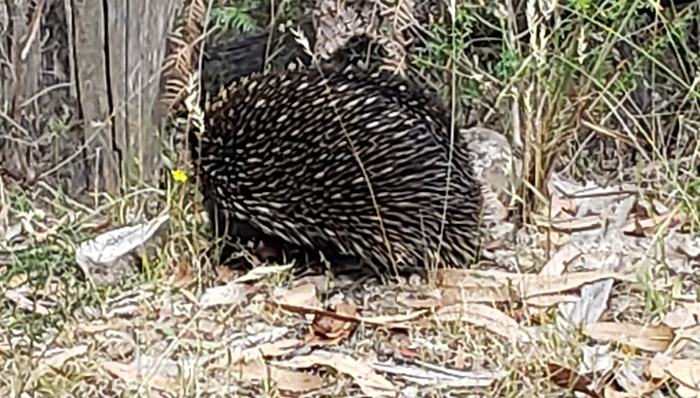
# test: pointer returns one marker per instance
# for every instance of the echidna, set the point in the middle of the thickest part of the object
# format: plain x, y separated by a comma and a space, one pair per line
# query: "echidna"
350, 164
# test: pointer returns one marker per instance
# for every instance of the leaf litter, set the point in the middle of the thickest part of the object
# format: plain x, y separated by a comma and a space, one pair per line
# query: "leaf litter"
582, 297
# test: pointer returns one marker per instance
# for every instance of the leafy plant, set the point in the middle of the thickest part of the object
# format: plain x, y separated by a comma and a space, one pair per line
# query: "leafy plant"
235, 19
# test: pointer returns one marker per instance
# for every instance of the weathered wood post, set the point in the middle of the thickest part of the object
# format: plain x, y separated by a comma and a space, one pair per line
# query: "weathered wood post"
107, 73
119, 47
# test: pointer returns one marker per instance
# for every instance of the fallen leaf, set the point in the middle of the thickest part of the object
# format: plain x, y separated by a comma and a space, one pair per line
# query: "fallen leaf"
326, 330
304, 296
649, 226
57, 361
393, 319
230, 294
467, 294
224, 273
684, 391
569, 225
24, 303
684, 337
132, 374
551, 300
17, 280
522, 285
557, 264
425, 374
679, 318
650, 338
258, 273
405, 351
694, 308
656, 368
686, 372
278, 348
371, 382
182, 276
481, 315
534, 285
287, 380
267, 350
558, 239
92, 328
189, 296
301, 296
559, 206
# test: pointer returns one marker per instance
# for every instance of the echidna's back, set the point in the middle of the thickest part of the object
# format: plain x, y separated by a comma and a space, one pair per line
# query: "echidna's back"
285, 157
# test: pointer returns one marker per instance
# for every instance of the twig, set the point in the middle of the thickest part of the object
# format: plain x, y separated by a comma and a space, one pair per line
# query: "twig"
33, 30
45, 91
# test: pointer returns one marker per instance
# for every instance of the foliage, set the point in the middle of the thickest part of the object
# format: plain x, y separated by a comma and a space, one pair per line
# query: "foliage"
589, 87
233, 19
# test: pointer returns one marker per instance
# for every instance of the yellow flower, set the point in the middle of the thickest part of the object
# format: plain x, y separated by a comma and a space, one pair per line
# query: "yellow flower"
179, 175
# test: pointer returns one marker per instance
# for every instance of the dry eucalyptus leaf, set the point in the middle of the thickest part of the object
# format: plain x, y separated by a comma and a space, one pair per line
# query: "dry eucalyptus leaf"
24, 303
679, 318
286, 380
133, 374
684, 391
230, 294
592, 303
266, 350
557, 264
276, 348
424, 374
687, 372
559, 207
447, 296
694, 308
481, 315
377, 321
551, 300
393, 319
258, 273
523, 285
57, 361
301, 296
17, 280
183, 275
327, 330
372, 383
651, 338
569, 225
112, 324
